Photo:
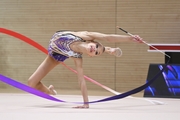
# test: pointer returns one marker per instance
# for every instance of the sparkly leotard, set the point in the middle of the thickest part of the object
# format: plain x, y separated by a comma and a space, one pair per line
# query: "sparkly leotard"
59, 47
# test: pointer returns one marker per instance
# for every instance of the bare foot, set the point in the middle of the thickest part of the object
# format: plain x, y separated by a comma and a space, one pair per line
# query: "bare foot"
52, 91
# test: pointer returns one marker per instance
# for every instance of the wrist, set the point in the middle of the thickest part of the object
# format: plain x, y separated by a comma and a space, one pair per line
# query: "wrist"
131, 38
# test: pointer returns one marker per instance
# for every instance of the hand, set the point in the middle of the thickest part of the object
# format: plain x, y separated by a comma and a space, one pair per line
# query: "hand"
138, 39
85, 106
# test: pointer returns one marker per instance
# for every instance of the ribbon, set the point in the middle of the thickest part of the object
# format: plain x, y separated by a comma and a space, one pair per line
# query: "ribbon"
28, 89
46, 96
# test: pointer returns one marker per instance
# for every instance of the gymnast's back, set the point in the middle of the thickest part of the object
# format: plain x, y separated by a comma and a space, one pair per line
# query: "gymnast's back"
81, 34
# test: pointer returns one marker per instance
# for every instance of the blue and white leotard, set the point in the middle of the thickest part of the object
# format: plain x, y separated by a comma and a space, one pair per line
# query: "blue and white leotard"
59, 46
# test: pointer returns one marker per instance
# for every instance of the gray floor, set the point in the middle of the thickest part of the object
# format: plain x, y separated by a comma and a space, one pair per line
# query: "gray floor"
29, 107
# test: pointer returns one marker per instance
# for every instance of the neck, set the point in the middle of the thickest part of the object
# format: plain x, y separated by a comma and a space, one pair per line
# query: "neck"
79, 47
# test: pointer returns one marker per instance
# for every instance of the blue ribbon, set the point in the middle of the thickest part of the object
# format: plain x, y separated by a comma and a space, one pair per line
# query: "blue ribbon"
28, 89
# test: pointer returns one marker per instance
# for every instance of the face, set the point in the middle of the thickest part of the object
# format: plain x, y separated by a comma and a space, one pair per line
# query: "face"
94, 49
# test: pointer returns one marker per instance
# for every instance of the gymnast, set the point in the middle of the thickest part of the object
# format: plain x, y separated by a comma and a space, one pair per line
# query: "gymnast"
71, 44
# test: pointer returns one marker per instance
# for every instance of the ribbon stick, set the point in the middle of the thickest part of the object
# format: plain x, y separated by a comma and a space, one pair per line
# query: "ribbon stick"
144, 42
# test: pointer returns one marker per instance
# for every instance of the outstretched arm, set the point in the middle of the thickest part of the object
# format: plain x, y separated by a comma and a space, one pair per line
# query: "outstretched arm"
82, 82
114, 37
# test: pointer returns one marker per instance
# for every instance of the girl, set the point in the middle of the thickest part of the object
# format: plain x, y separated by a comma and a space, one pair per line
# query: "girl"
70, 44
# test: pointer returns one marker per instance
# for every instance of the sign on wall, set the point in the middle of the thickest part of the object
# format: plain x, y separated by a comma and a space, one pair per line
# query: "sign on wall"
167, 84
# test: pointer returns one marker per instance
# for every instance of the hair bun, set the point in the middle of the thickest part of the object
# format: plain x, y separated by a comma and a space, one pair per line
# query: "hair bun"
117, 52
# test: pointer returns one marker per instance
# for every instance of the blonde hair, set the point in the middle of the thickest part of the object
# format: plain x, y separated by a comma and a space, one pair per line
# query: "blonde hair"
114, 51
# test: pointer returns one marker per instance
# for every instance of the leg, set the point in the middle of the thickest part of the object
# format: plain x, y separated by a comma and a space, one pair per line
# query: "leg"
46, 66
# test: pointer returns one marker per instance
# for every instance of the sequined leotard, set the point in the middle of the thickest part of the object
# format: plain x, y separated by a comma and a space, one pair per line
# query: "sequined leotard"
59, 47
